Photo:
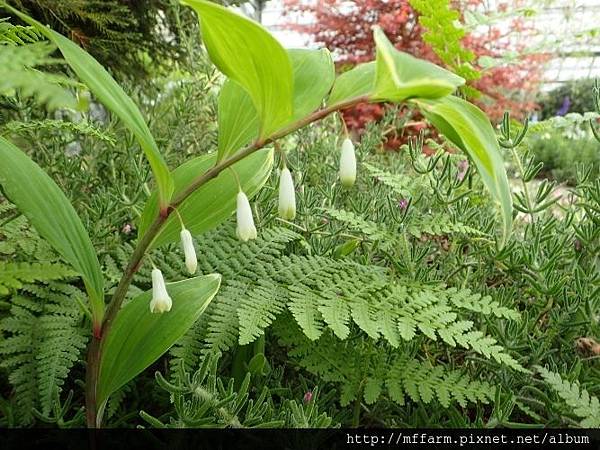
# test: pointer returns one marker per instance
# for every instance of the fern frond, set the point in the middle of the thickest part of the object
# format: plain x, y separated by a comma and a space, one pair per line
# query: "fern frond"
401, 184
18, 240
243, 266
43, 339
17, 34
445, 37
394, 374
440, 226
423, 382
13, 275
471, 301
583, 405
61, 127
18, 75
370, 229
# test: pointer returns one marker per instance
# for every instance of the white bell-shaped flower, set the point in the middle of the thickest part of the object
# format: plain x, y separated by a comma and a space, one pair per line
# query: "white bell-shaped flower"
287, 195
245, 222
347, 164
191, 262
161, 302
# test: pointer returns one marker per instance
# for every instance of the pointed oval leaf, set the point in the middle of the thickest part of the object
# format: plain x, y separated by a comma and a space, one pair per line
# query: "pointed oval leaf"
106, 89
214, 202
314, 74
246, 52
238, 122
401, 76
138, 337
467, 127
49, 211
355, 83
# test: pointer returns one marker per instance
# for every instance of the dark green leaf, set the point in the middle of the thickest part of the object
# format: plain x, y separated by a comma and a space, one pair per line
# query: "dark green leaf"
138, 337
49, 211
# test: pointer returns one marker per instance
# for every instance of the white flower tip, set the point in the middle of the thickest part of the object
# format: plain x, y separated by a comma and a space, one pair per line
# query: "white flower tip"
245, 222
287, 195
347, 164
191, 261
161, 301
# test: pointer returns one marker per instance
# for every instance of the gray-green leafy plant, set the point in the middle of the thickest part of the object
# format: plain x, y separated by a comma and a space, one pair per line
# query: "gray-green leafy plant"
269, 93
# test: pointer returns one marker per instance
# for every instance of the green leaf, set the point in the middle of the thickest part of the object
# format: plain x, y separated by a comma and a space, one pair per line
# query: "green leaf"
106, 89
356, 82
372, 390
467, 127
246, 52
137, 337
238, 122
314, 74
401, 76
49, 211
212, 203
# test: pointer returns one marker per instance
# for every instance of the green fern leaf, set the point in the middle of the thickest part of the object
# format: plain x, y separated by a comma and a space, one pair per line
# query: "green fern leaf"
13, 275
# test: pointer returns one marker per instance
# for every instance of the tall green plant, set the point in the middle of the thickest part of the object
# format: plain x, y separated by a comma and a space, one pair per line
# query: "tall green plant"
269, 93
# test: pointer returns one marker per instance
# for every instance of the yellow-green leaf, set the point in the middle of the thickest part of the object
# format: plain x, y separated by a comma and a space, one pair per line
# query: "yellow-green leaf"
238, 122
314, 74
247, 53
401, 76
355, 83
212, 203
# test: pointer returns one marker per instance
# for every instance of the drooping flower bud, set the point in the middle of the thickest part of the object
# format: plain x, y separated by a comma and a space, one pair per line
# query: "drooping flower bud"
308, 396
191, 262
287, 195
347, 164
161, 302
245, 222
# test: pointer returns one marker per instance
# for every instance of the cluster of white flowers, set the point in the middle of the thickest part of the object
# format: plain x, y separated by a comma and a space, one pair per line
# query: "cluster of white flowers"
246, 230
161, 301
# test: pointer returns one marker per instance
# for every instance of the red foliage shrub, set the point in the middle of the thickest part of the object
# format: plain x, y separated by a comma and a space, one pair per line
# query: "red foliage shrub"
345, 28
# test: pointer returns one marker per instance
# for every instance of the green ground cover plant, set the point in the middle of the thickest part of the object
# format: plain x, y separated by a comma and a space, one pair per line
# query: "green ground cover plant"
383, 289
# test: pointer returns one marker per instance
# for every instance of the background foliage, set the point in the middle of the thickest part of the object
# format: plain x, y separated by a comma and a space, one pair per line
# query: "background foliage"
426, 29
386, 305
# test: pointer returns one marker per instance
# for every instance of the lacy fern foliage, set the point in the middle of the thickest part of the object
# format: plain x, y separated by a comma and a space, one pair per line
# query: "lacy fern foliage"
43, 339
19, 75
328, 301
583, 405
13, 275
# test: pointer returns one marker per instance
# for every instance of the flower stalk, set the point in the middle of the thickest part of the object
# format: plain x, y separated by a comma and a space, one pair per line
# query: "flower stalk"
94, 419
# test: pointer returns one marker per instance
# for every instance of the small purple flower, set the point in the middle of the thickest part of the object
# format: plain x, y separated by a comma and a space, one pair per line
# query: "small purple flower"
564, 108
463, 166
403, 204
308, 397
